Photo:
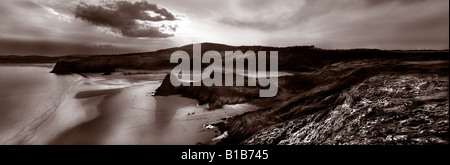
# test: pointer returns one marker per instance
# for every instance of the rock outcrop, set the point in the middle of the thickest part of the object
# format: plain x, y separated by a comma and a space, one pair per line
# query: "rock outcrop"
385, 109
214, 96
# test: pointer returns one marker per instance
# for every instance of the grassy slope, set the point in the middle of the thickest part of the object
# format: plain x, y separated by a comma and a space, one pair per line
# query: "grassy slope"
331, 106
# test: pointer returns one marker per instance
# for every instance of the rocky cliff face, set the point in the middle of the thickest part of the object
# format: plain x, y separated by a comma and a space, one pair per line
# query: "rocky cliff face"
354, 102
385, 109
214, 96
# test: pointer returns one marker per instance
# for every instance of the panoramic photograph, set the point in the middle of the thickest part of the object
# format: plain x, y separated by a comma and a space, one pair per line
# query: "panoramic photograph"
237, 72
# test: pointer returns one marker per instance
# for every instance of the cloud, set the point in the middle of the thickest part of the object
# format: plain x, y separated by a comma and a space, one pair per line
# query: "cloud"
385, 2
124, 16
149, 32
269, 15
384, 24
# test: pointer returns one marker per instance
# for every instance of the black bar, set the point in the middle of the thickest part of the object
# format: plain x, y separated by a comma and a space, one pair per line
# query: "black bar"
275, 153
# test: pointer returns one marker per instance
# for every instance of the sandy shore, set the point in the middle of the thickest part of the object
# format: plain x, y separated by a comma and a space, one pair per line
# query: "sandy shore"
118, 109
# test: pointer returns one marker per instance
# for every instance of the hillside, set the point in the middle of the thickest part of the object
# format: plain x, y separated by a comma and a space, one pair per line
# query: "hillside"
384, 109
354, 102
297, 58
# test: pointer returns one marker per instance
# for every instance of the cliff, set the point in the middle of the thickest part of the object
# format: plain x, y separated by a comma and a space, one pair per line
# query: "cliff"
387, 101
214, 96
385, 109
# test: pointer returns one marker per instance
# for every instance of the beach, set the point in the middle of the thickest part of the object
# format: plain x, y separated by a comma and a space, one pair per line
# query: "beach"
111, 109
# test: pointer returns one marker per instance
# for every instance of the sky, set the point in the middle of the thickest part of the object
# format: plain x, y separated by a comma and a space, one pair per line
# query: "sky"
63, 27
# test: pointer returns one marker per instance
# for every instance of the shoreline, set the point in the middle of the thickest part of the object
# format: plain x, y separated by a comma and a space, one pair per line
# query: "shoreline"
146, 119
101, 109
120, 109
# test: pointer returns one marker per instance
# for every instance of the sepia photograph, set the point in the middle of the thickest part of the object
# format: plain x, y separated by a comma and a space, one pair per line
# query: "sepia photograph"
224, 73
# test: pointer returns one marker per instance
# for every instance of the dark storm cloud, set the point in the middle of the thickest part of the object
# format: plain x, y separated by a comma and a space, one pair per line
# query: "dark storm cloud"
148, 32
122, 15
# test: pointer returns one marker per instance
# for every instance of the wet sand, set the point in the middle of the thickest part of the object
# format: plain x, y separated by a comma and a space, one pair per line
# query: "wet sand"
132, 115
118, 109
28, 99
